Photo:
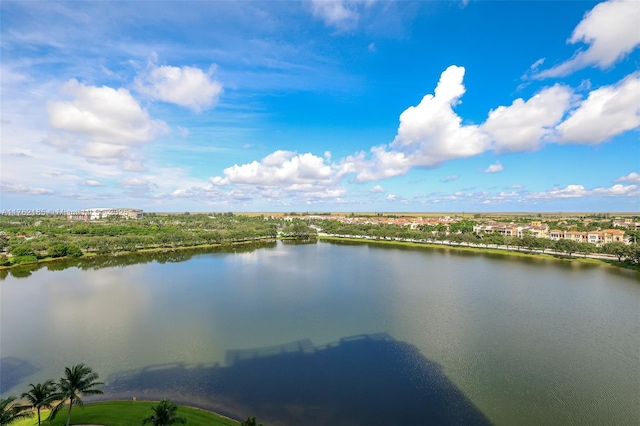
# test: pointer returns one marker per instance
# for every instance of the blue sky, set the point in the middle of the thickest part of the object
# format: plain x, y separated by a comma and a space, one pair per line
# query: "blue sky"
321, 105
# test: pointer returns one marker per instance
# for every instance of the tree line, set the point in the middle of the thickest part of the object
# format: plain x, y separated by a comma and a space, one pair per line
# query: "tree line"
462, 233
29, 239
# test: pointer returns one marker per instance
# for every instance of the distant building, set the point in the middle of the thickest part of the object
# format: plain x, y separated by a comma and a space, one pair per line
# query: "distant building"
103, 213
627, 223
556, 234
598, 238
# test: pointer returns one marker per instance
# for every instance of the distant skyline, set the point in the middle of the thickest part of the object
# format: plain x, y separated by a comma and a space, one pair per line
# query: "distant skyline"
373, 106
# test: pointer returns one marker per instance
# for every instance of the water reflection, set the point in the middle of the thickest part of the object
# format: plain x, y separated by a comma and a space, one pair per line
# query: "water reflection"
367, 379
13, 370
528, 341
133, 258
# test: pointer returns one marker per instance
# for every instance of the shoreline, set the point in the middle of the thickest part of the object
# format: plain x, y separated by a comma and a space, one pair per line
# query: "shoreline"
501, 250
94, 402
148, 250
598, 259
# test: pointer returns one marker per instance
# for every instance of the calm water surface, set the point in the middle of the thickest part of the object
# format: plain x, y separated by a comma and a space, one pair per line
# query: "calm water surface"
337, 333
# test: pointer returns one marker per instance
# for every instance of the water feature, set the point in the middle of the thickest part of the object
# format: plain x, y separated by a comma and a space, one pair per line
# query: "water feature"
337, 333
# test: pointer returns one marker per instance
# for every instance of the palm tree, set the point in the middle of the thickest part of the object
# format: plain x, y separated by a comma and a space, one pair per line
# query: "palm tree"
164, 414
40, 395
10, 412
79, 380
251, 421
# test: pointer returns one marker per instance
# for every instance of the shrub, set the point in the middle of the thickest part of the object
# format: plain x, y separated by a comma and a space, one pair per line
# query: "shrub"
57, 250
22, 250
24, 259
73, 251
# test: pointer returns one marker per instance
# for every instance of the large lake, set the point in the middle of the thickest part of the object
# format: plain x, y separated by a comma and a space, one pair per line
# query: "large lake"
338, 334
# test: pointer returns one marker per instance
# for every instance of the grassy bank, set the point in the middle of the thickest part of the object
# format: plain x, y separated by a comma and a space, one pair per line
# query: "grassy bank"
503, 252
126, 413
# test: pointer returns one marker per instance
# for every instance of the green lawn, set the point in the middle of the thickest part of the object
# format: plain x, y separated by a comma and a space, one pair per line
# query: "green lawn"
126, 413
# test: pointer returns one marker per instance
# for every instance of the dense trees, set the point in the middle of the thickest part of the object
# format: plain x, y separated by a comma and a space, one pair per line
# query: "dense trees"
300, 230
34, 238
60, 250
566, 246
617, 249
29, 239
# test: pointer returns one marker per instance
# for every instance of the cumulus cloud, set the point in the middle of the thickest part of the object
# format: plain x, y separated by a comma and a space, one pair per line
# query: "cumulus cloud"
524, 125
186, 86
183, 193
432, 133
283, 175
608, 111
632, 177
340, 14
377, 189
611, 31
100, 123
494, 168
429, 134
277, 169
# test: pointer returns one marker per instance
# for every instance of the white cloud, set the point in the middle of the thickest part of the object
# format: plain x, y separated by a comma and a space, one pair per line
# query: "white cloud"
282, 176
100, 123
186, 86
19, 152
524, 125
632, 177
9, 76
183, 193
340, 14
103, 152
377, 189
611, 31
579, 191
133, 182
607, 112
22, 189
92, 182
429, 134
133, 165
494, 168
277, 169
